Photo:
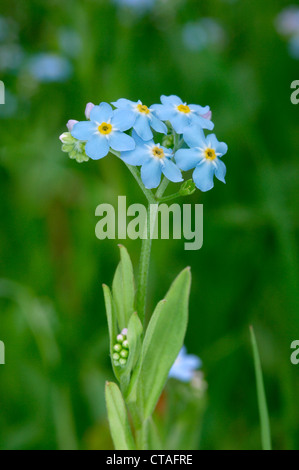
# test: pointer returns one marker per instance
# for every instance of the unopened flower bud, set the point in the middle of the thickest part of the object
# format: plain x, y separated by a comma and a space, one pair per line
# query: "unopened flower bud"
88, 109
187, 188
168, 141
121, 349
70, 124
74, 147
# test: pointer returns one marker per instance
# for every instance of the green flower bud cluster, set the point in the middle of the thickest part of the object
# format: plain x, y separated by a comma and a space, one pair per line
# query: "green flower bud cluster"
187, 188
168, 141
121, 349
73, 147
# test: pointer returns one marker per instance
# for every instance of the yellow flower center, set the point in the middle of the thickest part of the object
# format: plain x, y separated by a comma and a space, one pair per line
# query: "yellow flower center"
105, 128
158, 152
210, 154
143, 109
183, 108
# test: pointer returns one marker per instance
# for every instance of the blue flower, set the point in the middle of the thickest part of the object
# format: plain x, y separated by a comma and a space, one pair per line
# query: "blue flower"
154, 160
104, 130
50, 68
185, 366
294, 47
136, 4
144, 118
182, 115
204, 155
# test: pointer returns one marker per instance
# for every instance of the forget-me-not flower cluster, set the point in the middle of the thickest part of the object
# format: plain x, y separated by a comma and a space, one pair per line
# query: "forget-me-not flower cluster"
165, 138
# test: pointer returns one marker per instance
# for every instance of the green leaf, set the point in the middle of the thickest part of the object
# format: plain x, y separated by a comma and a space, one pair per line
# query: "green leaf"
162, 343
262, 401
134, 340
118, 419
123, 289
111, 319
155, 440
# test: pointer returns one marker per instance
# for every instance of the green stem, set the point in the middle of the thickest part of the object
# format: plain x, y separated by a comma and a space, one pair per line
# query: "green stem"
145, 256
171, 197
142, 437
144, 270
162, 188
147, 192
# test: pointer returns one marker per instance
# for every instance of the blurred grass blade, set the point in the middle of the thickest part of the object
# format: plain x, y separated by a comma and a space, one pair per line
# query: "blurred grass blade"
262, 402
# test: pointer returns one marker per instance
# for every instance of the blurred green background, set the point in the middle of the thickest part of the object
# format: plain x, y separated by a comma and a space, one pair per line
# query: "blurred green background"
227, 54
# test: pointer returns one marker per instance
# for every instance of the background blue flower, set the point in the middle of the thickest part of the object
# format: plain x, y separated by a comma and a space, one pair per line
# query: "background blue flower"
154, 160
47, 67
204, 155
144, 118
104, 130
184, 366
182, 115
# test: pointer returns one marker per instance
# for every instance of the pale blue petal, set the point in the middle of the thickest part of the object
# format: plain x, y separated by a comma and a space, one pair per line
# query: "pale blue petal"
136, 157
151, 173
203, 175
179, 122
84, 130
123, 119
203, 122
97, 147
187, 159
220, 171
171, 171
185, 365
158, 125
181, 374
194, 136
121, 142
139, 141
171, 100
101, 113
164, 112
220, 147
167, 152
183, 352
123, 103
199, 109
192, 362
142, 127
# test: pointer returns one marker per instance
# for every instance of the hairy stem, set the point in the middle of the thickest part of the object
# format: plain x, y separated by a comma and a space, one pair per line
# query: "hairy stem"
144, 270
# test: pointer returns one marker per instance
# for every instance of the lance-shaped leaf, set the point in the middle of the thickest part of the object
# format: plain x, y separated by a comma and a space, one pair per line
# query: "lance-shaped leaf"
118, 419
112, 322
123, 289
163, 340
